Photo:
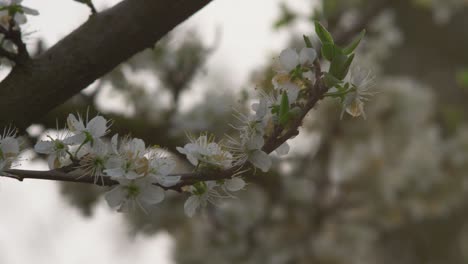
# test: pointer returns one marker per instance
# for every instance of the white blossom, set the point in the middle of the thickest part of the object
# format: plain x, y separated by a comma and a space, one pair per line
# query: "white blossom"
285, 79
93, 160
93, 130
206, 151
132, 194
9, 149
128, 161
249, 148
362, 82
19, 15
160, 168
202, 194
57, 149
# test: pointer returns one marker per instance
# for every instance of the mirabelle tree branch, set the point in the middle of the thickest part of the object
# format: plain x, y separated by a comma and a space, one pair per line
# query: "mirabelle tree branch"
96, 47
279, 135
276, 139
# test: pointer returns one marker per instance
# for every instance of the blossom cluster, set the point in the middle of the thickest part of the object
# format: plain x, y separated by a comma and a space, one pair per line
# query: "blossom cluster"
293, 76
141, 174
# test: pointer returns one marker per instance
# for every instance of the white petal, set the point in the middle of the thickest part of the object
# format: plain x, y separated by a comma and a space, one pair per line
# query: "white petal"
131, 175
307, 56
192, 159
20, 18
166, 166
260, 160
260, 108
181, 150
53, 162
293, 92
77, 139
289, 59
97, 126
115, 197
256, 142
234, 184
114, 172
191, 205
283, 149
138, 146
74, 124
100, 148
44, 147
10, 145
152, 195
30, 11
168, 181
114, 142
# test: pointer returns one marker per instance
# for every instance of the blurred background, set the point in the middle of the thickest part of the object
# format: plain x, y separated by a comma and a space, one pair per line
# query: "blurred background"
388, 189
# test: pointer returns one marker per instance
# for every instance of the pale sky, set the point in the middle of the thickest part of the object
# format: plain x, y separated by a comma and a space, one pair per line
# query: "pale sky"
37, 225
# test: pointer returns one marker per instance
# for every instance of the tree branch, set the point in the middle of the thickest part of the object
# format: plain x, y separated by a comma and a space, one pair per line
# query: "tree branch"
277, 138
96, 47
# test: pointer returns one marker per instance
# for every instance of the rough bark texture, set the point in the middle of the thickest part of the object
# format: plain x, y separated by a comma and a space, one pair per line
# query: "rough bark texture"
96, 47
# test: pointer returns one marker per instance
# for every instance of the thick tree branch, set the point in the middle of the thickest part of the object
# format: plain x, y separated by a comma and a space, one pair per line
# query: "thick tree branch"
96, 47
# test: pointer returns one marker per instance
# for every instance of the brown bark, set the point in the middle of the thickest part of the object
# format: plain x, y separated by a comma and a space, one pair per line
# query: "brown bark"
96, 47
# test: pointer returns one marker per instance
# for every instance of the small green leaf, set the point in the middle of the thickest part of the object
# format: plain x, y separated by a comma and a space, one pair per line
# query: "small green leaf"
323, 33
307, 41
355, 43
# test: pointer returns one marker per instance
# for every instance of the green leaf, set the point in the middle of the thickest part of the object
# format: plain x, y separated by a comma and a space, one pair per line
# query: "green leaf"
328, 51
330, 80
339, 67
307, 41
323, 33
355, 43
346, 66
284, 109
